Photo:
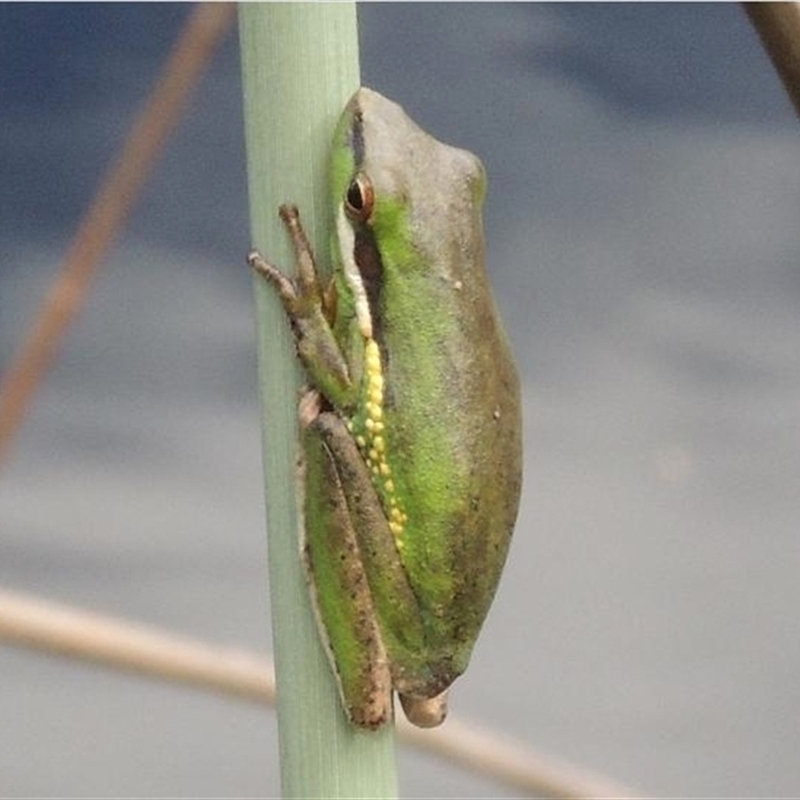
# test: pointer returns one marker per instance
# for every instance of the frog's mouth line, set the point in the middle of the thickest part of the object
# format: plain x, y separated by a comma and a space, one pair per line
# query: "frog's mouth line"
363, 271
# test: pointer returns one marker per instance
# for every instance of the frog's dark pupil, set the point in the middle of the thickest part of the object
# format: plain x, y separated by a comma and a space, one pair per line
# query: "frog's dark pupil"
354, 197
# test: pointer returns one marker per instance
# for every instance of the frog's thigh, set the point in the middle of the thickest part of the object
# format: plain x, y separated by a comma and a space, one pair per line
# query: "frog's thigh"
340, 591
395, 603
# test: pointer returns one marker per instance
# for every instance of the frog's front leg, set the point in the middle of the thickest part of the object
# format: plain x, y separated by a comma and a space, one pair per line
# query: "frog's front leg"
309, 308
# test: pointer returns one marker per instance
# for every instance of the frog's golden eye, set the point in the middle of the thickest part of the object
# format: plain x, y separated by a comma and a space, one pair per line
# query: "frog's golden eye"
359, 199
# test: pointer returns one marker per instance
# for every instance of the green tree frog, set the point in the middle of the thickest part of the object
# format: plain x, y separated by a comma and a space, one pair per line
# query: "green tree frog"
411, 423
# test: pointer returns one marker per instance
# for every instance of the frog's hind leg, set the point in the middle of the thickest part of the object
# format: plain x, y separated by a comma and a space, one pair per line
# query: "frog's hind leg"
340, 592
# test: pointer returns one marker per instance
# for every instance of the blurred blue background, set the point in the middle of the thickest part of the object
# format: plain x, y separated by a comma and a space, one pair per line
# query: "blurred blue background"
644, 243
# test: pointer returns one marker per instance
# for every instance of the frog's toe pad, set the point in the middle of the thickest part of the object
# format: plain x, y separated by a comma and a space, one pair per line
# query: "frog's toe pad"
425, 712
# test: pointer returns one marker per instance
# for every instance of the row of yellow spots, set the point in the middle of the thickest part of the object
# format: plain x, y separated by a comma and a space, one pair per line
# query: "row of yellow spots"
372, 441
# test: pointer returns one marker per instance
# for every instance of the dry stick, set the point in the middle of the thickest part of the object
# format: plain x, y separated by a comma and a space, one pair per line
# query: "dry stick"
778, 26
488, 753
118, 191
56, 628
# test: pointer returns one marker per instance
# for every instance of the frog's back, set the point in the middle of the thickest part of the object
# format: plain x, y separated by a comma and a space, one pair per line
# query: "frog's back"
460, 473
453, 411
451, 402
